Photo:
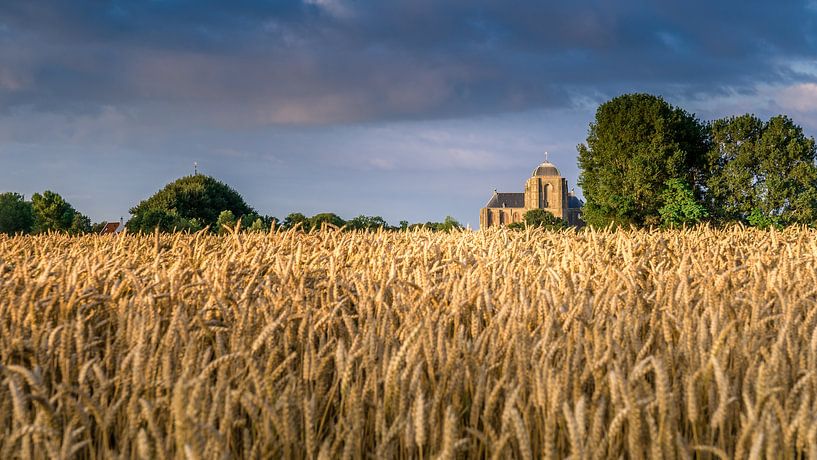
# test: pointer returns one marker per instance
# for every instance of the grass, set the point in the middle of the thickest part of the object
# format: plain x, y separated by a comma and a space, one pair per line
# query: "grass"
681, 344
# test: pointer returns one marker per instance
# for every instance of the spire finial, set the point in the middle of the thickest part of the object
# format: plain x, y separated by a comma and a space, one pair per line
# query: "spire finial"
546, 157
195, 168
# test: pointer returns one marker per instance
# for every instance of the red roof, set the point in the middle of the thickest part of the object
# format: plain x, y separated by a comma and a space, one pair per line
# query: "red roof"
110, 228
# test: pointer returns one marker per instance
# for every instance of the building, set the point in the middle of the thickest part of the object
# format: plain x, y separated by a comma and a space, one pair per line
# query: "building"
113, 228
545, 189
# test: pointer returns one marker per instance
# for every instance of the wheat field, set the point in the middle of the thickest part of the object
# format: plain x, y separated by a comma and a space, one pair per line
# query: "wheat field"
496, 344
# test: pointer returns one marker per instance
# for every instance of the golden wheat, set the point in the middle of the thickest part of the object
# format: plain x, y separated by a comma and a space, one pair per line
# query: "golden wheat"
694, 343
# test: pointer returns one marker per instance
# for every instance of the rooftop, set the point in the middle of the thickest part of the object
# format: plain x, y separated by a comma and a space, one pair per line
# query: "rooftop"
546, 169
506, 200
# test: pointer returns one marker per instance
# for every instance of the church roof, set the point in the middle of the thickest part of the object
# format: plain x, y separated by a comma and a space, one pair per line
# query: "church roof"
546, 169
506, 200
573, 201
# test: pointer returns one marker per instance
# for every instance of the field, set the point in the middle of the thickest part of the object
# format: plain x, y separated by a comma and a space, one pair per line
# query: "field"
683, 344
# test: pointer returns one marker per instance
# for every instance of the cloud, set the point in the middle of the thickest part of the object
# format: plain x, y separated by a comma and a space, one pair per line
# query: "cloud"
801, 97
343, 61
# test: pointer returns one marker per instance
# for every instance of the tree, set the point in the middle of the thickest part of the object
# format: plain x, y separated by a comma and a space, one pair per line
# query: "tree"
97, 227
294, 220
166, 221
187, 203
317, 221
763, 221
51, 212
226, 219
447, 225
257, 226
635, 145
80, 224
16, 214
540, 218
762, 170
680, 206
367, 223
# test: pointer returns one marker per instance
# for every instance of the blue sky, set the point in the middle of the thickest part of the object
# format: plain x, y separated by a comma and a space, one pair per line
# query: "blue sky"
410, 109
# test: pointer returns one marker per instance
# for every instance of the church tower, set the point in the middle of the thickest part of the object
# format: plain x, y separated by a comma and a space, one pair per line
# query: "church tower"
545, 189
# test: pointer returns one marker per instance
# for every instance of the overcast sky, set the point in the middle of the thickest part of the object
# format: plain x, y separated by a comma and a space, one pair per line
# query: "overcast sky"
410, 109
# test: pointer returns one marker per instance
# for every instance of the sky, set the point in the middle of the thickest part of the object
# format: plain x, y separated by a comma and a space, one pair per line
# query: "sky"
407, 109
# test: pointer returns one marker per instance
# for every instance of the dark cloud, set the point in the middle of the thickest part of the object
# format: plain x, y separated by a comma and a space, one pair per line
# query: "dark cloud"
420, 106
330, 61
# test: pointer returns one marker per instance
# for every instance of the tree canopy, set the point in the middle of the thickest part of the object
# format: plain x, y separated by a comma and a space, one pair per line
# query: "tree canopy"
53, 213
317, 221
189, 203
16, 214
762, 173
636, 144
540, 218
367, 223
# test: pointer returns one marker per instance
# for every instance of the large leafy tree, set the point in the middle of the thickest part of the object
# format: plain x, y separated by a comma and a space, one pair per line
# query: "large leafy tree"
53, 213
762, 172
188, 203
16, 214
635, 145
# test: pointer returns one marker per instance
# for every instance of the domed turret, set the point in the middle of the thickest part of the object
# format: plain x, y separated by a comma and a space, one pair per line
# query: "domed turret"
546, 169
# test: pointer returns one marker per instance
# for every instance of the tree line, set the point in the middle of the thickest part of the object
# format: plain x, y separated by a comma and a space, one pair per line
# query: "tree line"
648, 163
645, 163
45, 212
189, 204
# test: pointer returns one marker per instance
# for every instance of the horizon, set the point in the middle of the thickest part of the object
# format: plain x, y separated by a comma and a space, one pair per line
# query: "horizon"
410, 111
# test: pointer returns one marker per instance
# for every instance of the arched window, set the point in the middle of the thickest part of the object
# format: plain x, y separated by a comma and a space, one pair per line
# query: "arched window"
546, 194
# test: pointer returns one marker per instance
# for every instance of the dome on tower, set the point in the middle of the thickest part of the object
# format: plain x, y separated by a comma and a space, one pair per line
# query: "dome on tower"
546, 169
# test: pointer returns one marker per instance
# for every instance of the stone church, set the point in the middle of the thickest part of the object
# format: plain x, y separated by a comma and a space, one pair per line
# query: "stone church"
545, 189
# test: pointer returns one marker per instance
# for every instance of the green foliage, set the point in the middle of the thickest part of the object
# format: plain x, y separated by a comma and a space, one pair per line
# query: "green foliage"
16, 214
680, 206
762, 170
165, 221
543, 218
367, 223
294, 220
539, 218
97, 227
257, 226
404, 224
188, 203
635, 145
226, 219
759, 219
80, 224
318, 221
448, 225
51, 212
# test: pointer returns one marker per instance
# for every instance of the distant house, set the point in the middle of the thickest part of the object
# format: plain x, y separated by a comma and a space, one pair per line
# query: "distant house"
113, 228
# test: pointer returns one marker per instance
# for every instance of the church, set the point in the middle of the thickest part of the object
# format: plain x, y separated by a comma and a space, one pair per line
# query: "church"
545, 189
